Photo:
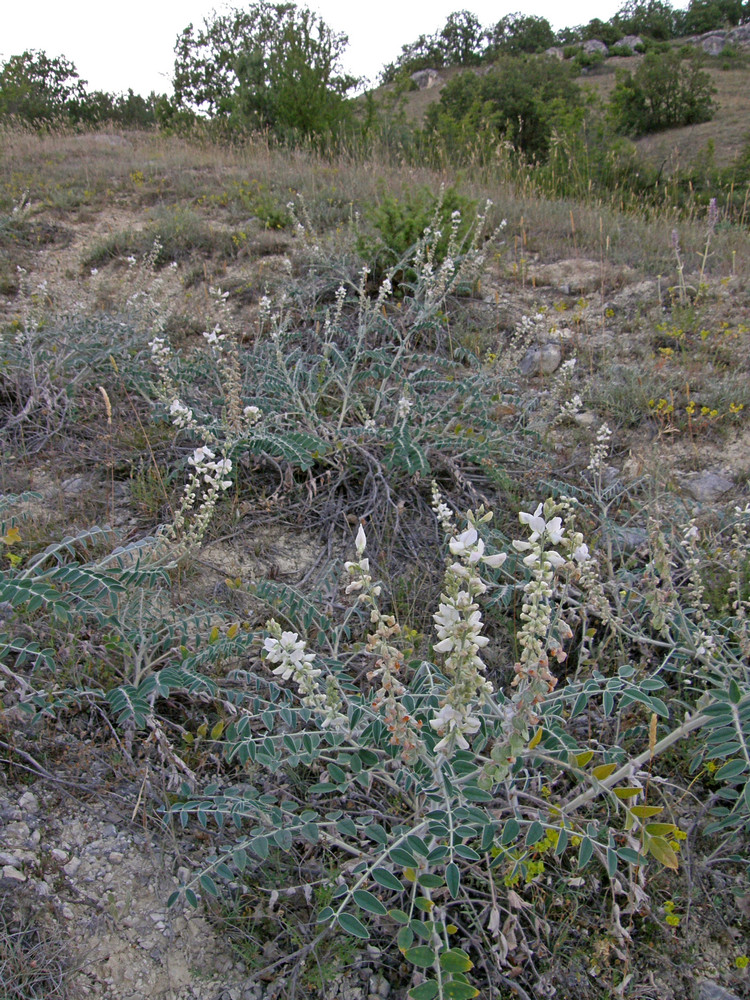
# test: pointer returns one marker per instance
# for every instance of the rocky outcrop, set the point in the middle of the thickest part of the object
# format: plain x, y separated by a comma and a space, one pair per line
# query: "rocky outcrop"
713, 43
425, 78
630, 42
595, 45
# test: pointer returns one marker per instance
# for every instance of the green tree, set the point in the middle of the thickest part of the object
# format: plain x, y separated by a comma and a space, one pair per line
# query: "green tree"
654, 18
462, 39
35, 87
521, 33
711, 15
424, 53
668, 89
604, 31
272, 65
460, 42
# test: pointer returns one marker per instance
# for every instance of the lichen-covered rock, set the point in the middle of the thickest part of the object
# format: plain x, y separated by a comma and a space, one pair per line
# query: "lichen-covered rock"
544, 359
425, 78
595, 45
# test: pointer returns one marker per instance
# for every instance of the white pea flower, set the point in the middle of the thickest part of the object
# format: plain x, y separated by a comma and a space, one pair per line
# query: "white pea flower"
201, 455
454, 723
552, 530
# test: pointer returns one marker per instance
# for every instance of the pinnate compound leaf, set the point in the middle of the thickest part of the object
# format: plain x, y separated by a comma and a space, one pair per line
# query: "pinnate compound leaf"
660, 849
430, 881
645, 812
402, 857
510, 832
584, 852
405, 939
627, 793
732, 769
603, 771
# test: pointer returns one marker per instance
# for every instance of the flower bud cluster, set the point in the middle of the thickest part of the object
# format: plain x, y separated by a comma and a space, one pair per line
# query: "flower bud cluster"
569, 409
227, 358
458, 623
403, 408
404, 731
288, 652
598, 453
333, 319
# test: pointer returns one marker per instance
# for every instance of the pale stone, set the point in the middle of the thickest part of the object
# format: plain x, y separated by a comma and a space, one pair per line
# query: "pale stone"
595, 45
13, 874
706, 486
542, 360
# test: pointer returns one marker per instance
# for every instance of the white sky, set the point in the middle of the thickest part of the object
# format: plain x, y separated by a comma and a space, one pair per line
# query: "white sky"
116, 46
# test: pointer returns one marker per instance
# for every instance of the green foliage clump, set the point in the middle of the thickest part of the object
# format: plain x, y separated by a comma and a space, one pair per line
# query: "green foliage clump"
667, 90
39, 89
519, 101
460, 42
711, 15
400, 222
521, 33
35, 87
270, 66
654, 18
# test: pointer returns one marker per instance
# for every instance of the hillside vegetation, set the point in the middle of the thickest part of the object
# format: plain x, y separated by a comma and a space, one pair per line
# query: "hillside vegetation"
375, 546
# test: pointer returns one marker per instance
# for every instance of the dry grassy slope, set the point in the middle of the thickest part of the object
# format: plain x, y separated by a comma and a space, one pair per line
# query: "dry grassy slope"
729, 130
115, 191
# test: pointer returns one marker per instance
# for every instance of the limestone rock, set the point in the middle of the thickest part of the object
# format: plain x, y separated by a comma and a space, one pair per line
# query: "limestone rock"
12, 874
576, 276
425, 78
595, 45
544, 359
706, 486
709, 990
715, 43
555, 52
631, 41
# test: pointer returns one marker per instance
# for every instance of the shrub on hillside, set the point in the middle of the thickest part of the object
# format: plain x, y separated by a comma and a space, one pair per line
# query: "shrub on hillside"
667, 90
520, 101
400, 223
